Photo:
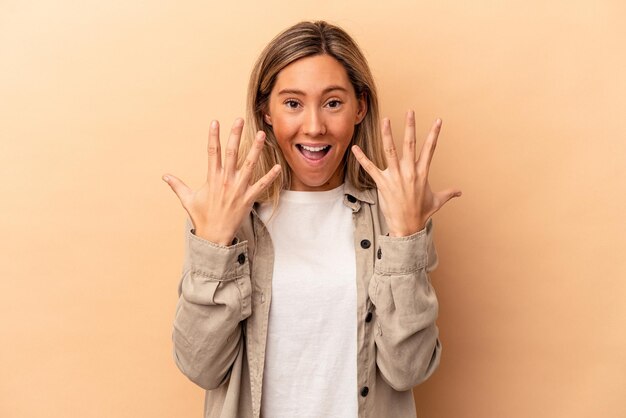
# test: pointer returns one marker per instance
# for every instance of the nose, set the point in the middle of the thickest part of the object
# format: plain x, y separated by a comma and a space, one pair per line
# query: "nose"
314, 124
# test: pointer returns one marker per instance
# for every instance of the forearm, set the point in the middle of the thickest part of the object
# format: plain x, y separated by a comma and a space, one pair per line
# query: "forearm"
214, 298
406, 335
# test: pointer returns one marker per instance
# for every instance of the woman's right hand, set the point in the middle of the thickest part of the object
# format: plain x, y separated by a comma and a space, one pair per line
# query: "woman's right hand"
219, 207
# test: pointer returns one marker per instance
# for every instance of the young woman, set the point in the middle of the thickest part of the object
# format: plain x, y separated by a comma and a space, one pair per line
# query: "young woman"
305, 290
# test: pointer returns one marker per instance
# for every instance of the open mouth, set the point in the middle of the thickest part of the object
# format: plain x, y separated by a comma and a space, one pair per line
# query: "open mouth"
313, 153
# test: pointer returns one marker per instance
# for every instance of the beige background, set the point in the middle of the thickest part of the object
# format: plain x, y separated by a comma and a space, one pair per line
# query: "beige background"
97, 100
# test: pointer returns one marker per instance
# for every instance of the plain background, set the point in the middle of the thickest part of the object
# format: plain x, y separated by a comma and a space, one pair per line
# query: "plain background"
99, 99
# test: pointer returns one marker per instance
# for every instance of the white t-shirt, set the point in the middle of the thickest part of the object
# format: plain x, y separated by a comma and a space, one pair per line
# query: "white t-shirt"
310, 359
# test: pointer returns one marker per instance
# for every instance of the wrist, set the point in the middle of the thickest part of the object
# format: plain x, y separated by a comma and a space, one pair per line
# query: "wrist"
223, 239
406, 231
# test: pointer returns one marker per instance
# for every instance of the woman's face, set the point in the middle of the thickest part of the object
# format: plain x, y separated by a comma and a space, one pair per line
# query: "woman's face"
313, 110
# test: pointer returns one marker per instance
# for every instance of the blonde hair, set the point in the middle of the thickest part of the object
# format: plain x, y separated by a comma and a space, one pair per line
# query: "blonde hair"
302, 40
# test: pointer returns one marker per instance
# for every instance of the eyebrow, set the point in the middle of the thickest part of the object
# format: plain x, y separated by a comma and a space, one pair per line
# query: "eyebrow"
301, 93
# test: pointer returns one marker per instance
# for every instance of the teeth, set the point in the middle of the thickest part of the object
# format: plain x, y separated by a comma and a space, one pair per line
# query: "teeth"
314, 149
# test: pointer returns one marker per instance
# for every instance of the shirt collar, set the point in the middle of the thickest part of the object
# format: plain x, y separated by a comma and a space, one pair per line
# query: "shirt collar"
353, 196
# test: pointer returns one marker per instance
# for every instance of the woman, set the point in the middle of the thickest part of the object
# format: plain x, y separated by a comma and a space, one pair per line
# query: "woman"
305, 290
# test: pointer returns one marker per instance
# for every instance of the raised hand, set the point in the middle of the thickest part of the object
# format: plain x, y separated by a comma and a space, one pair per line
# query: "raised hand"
405, 196
219, 207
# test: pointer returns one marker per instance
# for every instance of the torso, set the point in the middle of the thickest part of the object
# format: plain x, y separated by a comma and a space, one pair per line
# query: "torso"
311, 352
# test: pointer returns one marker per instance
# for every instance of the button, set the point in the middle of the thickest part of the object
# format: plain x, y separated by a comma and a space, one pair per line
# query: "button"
351, 199
379, 254
365, 391
368, 317
241, 258
365, 244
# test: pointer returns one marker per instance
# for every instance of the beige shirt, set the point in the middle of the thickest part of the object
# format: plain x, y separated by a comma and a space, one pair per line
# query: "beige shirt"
220, 325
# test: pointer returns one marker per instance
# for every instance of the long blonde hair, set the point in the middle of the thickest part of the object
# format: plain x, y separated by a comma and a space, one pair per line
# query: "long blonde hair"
302, 40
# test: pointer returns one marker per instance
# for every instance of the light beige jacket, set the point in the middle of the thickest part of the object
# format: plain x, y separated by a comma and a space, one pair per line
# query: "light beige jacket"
220, 326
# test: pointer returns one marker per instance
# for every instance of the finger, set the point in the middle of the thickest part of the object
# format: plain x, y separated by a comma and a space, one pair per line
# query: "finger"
263, 183
179, 187
253, 156
444, 196
367, 165
428, 149
408, 150
213, 149
390, 149
232, 147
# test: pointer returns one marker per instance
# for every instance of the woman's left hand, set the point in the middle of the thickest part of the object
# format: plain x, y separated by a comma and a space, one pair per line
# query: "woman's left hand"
405, 196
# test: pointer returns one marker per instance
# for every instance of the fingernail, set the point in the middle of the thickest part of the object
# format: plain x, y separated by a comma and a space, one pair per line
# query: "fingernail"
166, 179
214, 124
239, 122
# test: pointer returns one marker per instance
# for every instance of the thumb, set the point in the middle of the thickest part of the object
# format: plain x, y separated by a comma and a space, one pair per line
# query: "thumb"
446, 195
178, 186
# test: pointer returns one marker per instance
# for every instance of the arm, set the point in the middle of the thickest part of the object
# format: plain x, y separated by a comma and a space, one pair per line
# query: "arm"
214, 297
406, 337
406, 304
214, 292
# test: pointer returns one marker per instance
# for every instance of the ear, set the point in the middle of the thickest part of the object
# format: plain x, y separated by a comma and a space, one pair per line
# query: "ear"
268, 119
362, 108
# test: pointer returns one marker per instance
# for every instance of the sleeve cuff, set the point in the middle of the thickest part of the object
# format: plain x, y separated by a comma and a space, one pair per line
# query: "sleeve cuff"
401, 255
214, 261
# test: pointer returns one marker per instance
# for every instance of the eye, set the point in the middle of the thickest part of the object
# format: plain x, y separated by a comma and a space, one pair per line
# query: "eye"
334, 103
292, 104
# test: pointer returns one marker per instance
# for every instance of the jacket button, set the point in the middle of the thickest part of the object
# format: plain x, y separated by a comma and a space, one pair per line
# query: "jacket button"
241, 258
351, 199
368, 317
365, 244
365, 391
379, 254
